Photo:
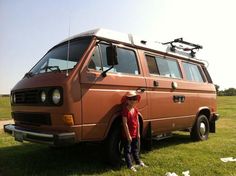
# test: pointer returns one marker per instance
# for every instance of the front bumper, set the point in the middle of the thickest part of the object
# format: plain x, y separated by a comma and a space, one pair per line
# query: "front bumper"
215, 117
21, 135
212, 122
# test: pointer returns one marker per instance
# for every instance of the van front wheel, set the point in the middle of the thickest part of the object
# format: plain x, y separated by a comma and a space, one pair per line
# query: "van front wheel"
114, 147
200, 130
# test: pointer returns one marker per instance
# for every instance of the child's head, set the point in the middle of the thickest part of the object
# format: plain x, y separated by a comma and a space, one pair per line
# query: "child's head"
132, 98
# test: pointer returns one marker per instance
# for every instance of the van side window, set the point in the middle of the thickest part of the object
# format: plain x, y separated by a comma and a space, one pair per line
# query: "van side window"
168, 68
127, 61
193, 72
207, 74
162, 66
152, 65
95, 61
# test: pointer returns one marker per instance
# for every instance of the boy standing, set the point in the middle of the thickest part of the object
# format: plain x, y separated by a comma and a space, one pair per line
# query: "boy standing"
131, 130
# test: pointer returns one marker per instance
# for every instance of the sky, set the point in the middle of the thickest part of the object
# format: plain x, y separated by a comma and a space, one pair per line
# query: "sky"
29, 28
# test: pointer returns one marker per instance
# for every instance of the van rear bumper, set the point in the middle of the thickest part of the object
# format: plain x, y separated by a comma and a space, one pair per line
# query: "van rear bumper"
21, 135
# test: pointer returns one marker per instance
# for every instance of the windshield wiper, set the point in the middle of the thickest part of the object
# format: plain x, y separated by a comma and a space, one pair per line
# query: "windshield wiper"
29, 74
51, 68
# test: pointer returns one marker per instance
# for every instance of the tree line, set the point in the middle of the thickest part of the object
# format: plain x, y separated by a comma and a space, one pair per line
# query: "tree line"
226, 92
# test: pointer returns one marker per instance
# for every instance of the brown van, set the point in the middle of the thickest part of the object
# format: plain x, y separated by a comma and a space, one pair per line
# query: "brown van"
73, 94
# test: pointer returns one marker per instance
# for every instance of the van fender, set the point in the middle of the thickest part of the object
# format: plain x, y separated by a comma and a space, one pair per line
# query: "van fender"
115, 120
204, 110
140, 118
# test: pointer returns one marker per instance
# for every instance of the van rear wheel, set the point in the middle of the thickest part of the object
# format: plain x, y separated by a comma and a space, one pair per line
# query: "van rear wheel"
200, 130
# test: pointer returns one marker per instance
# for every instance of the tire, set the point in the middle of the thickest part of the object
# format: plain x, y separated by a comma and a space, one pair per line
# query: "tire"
147, 140
200, 130
114, 147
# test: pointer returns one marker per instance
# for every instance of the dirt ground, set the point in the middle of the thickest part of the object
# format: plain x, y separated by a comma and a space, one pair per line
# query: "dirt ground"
5, 122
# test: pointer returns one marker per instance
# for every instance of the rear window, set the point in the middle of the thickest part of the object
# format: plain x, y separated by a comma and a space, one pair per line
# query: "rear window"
193, 72
163, 66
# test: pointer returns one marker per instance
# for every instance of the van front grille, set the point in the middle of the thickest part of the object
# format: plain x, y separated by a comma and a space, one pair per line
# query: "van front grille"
27, 97
36, 97
32, 118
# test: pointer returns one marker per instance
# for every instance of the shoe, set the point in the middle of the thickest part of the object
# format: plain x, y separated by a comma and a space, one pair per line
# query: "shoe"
142, 164
133, 169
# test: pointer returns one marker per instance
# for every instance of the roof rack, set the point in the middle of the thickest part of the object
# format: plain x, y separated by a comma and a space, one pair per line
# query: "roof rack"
181, 41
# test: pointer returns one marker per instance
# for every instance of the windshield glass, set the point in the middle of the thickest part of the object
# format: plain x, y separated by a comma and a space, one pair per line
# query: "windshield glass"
56, 58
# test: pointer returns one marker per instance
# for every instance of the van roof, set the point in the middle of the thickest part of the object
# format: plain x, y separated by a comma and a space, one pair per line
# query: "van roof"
132, 40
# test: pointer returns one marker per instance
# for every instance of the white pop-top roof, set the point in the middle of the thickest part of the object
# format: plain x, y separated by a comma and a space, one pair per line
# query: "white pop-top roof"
130, 39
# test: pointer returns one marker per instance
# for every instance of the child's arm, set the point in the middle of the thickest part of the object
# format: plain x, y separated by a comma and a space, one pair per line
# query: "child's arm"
125, 125
138, 132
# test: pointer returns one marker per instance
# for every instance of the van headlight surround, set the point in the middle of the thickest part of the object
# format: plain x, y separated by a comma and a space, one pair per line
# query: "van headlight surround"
43, 96
13, 98
56, 96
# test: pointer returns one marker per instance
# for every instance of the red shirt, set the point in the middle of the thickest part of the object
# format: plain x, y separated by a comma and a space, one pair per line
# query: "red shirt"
132, 121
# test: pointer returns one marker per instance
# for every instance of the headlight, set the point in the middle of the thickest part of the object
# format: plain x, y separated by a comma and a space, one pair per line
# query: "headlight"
56, 96
43, 96
13, 98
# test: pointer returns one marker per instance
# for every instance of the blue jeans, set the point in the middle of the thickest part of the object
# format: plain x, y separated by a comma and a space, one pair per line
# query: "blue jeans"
131, 149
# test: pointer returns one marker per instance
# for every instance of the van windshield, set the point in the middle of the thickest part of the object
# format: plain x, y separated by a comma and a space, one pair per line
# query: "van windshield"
56, 59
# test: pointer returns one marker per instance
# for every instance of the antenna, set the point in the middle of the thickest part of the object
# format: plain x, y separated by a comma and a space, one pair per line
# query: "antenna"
68, 51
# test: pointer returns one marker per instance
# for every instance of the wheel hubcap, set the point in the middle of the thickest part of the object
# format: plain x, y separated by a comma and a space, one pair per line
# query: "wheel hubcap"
202, 128
120, 147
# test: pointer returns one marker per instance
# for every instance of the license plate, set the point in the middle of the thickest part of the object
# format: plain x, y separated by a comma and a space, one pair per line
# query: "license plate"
18, 136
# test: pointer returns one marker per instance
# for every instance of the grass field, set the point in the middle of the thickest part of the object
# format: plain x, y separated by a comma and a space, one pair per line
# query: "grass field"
175, 154
5, 112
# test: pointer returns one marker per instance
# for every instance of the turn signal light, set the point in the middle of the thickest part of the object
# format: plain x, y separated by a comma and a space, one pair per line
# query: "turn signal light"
68, 120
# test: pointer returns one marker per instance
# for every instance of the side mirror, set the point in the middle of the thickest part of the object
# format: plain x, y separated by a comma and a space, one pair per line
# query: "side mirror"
112, 55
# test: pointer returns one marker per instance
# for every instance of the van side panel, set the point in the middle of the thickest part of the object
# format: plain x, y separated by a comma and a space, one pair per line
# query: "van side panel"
172, 109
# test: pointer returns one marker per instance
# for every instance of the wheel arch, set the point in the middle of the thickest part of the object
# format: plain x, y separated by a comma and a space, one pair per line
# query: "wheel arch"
116, 120
201, 127
204, 111
140, 118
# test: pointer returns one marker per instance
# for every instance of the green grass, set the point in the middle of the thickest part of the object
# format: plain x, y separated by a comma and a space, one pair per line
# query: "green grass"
175, 154
5, 111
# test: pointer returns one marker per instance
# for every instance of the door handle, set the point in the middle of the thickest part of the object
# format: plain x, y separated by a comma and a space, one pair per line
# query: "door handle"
178, 98
155, 83
141, 89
